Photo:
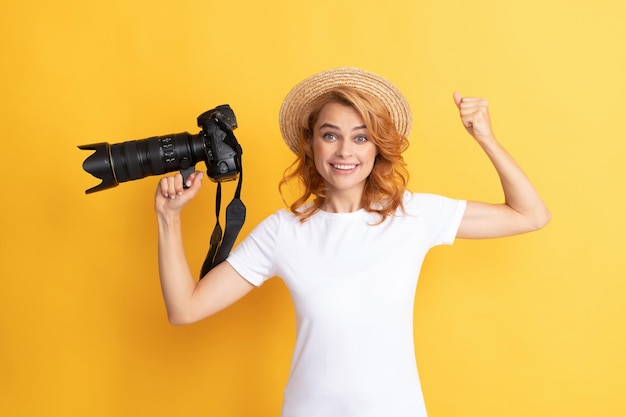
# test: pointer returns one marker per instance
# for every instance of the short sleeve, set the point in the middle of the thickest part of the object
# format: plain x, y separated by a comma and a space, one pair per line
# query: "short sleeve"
442, 215
254, 257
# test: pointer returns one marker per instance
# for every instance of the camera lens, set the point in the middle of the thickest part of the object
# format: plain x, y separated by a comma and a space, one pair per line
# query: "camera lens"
136, 159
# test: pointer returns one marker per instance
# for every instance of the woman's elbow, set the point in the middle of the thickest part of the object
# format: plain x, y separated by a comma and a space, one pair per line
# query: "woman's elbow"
541, 219
180, 318
188, 315
176, 320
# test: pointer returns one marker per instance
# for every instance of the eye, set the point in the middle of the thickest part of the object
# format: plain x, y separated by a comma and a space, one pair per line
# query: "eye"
329, 136
360, 139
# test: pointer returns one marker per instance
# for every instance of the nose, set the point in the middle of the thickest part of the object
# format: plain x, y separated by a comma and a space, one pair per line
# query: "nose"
344, 148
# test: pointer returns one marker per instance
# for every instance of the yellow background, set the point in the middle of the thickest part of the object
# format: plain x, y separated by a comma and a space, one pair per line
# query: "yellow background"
524, 326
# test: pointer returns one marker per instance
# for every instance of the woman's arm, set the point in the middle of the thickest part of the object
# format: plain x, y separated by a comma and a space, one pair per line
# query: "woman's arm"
523, 209
186, 299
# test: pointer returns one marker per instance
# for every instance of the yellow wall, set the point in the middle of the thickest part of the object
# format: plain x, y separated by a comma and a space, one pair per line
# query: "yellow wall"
524, 326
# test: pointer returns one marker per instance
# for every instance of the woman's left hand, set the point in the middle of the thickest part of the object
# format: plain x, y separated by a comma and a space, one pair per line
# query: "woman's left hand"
474, 113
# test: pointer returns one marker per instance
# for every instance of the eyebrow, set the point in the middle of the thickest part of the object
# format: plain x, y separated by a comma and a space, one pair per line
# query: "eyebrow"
332, 126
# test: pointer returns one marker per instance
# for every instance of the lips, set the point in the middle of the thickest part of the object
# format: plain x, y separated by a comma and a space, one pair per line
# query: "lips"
343, 167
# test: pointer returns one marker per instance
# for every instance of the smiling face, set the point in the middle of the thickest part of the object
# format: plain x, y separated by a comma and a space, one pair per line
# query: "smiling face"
343, 152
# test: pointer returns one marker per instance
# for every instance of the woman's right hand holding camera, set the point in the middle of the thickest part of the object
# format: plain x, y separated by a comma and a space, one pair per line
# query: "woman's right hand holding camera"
186, 299
171, 196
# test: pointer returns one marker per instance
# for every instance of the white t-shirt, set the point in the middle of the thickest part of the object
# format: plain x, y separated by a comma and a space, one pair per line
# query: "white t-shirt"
353, 287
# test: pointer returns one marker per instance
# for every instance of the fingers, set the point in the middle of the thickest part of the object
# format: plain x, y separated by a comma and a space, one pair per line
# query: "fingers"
172, 186
457, 99
470, 105
471, 108
474, 112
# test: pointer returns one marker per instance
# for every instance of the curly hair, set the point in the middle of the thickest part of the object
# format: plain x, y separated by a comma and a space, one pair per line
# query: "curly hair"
384, 188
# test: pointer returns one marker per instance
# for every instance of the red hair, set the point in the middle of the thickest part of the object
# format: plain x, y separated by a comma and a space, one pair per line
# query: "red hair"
385, 186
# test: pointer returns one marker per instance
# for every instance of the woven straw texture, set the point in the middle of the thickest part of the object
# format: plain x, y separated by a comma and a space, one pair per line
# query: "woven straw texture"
322, 82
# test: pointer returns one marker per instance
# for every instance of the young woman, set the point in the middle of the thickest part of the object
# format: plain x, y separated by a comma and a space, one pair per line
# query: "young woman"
351, 247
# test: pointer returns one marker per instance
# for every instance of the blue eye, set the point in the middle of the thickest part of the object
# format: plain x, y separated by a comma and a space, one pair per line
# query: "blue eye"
329, 136
360, 139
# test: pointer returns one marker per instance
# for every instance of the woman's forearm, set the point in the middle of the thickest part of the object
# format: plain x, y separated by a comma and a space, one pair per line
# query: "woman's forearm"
523, 209
519, 192
177, 282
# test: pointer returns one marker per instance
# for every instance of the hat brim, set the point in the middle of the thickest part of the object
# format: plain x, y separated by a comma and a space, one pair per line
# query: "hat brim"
316, 85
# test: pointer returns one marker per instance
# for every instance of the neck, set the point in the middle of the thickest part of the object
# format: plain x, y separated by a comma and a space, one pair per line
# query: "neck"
342, 203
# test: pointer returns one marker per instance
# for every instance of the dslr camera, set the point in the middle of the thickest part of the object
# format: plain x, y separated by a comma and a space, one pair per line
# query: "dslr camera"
215, 144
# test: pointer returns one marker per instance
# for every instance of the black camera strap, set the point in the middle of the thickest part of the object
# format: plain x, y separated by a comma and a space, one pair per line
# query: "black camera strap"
221, 245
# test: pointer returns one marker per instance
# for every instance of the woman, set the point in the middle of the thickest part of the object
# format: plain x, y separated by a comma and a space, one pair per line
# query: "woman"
351, 247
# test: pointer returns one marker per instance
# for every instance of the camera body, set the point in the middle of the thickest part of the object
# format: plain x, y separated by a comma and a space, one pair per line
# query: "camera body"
215, 144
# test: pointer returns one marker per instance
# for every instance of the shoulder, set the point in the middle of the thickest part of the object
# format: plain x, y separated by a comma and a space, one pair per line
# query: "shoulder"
421, 204
274, 222
276, 218
424, 200
440, 215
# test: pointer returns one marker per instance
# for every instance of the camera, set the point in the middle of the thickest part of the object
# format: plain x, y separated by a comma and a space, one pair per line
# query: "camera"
215, 144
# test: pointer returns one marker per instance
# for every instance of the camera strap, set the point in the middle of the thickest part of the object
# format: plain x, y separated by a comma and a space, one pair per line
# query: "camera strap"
221, 245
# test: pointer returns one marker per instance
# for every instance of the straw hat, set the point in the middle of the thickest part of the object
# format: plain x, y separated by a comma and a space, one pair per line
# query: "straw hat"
316, 85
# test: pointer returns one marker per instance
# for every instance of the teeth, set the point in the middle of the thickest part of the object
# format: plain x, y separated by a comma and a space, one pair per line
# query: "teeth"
346, 167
